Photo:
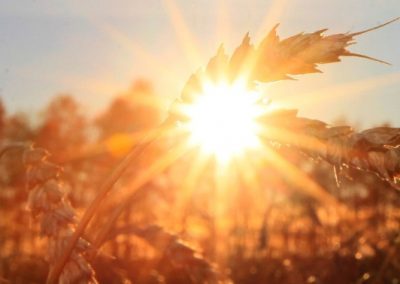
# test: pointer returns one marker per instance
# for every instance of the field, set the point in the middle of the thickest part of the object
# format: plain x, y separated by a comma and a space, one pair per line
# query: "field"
224, 187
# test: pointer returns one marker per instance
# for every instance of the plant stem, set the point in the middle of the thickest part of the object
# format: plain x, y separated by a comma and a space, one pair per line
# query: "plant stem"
137, 187
106, 187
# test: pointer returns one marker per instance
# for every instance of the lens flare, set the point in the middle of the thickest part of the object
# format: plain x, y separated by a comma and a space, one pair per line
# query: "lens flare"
222, 121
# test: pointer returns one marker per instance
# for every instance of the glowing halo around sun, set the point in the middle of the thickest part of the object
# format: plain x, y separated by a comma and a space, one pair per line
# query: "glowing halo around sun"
222, 120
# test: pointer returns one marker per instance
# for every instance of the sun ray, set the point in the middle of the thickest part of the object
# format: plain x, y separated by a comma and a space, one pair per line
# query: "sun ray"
120, 143
351, 89
248, 172
274, 13
196, 167
285, 136
127, 140
298, 178
136, 186
163, 70
125, 41
249, 185
147, 58
223, 27
185, 37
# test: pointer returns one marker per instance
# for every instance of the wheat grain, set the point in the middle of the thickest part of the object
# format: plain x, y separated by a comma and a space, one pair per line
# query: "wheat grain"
376, 150
47, 201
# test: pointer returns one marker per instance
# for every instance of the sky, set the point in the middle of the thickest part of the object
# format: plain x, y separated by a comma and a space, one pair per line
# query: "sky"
95, 49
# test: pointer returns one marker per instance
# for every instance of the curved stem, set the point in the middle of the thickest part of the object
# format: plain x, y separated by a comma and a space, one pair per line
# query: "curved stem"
137, 187
103, 192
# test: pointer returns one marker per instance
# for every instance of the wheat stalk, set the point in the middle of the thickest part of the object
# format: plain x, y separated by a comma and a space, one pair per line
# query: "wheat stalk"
47, 201
104, 190
275, 59
376, 150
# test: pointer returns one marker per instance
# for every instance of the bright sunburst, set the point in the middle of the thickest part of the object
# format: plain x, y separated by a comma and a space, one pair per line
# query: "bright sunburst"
222, 121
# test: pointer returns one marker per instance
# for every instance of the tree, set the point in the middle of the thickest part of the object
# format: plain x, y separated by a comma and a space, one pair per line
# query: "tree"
134, 110
64, 128
17, 128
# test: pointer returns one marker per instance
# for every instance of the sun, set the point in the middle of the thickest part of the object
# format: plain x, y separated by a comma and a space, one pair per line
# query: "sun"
222, 120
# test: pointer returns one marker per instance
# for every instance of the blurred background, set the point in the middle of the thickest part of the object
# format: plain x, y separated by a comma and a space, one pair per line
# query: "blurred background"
269, 232
95, 49
75, 78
